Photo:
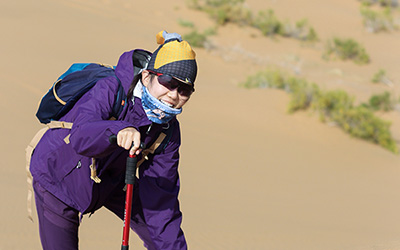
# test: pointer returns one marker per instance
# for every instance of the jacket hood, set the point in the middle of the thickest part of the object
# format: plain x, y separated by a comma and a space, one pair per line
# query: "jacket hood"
130, 64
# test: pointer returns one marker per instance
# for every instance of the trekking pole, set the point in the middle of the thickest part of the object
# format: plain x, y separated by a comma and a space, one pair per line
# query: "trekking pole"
130, 176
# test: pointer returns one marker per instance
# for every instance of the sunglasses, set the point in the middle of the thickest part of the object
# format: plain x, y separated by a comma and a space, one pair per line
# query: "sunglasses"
171, 83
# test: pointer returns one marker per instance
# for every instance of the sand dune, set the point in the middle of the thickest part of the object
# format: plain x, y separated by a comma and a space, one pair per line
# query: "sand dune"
252, 176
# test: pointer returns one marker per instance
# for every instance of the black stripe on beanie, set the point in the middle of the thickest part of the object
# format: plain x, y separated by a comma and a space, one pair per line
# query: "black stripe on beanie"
185, 70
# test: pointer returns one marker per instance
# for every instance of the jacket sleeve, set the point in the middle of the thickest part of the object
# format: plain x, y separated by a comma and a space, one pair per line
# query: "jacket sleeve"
158, 191
91, 127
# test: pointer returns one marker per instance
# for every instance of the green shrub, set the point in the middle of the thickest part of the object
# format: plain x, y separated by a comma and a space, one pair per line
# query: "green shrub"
376, 21
362, 123
229, 13
331, 105
379, 76
347, 49
367, 2
194, 37
381, 102
303, 94
265, 79
312, 35
357, 121
300, 30
336, 106
223, 11
389, 3
198, 39
235, 11
267, 23
193, 4
187, 24
383, 3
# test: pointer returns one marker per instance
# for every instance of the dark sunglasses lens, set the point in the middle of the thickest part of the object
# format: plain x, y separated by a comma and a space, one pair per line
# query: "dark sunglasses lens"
168, 82
171, 84
185, 90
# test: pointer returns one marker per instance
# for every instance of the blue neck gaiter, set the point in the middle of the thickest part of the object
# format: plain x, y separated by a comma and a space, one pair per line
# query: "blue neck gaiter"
157, 111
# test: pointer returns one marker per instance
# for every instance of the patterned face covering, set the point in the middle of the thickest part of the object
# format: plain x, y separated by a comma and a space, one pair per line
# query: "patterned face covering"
157, 111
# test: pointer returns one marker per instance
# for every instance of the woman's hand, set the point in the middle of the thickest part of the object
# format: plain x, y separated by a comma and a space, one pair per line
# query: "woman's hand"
129, 138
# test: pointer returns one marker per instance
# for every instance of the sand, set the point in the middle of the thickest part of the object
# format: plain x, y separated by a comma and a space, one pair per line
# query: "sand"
252, 175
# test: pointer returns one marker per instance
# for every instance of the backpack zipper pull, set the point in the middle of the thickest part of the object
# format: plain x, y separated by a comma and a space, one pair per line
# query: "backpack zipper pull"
148, 130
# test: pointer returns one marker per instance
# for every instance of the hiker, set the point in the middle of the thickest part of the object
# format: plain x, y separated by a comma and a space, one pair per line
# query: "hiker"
77, 171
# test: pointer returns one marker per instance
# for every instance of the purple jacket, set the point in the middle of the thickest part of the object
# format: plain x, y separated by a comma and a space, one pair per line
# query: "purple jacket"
63, 169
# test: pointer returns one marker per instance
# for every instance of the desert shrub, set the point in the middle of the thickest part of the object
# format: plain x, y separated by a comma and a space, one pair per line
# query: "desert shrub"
235, 11
224, 11
265, 79
267, 23
194, 37
347, 49
301, 91
383, 3
185, 23
381, 102
362, 123
376, 21
368, 2
193, 4
334, 106
331, 105
358, 121
389, 3
300, 30
303, 94
230, 13
198, 39
379, 76
312, 35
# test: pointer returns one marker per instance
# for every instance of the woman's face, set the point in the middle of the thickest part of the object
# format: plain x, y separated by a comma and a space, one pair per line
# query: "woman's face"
169, 97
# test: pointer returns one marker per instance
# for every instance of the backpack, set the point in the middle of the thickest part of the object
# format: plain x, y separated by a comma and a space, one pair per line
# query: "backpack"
61, 97
78, 80
71, 86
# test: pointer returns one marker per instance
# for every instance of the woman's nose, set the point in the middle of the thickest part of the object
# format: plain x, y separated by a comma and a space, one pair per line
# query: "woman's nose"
173, 93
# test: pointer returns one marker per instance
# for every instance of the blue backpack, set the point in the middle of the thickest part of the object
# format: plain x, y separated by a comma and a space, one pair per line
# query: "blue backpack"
71, 86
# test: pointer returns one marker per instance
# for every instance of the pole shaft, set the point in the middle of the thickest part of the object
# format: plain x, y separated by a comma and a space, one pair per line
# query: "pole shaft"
130, 181
127, 215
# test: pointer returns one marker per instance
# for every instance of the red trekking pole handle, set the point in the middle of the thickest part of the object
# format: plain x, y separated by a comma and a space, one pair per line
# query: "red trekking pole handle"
130, 176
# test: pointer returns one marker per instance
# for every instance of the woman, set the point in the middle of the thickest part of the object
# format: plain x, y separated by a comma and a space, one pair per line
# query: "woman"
78, 171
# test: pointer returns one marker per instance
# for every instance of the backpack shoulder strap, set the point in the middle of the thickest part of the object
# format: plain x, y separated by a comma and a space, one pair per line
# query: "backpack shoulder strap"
158, 146
152, 148
168, 134
29, 151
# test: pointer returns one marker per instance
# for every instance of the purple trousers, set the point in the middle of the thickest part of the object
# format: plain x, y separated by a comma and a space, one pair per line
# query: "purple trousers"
59, 223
